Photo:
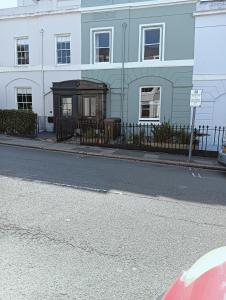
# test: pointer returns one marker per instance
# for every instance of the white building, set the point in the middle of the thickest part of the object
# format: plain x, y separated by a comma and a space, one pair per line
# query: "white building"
210, 62
40, 44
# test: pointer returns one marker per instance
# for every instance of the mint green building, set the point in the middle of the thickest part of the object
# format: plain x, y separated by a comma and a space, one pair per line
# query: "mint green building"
144, 52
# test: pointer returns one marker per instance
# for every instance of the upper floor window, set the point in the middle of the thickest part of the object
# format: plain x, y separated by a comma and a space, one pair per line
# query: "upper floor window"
24, 99
63, 45
22, 51
150, 101
102, 46
151, 43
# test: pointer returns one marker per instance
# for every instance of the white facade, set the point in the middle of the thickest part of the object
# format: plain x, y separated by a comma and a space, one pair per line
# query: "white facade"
210, 62
40, 22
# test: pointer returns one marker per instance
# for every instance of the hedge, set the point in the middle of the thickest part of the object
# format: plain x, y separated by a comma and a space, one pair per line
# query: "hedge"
19, 123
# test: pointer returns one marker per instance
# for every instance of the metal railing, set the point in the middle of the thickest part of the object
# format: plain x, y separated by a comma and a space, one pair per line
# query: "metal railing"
150, 137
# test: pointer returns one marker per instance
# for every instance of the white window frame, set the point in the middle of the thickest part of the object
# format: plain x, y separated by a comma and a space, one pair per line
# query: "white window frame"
16, 58
149, 120
93, 32
56, 57
25, 88
142, 29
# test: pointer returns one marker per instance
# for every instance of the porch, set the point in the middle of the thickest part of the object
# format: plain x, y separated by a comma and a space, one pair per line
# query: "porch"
81, 100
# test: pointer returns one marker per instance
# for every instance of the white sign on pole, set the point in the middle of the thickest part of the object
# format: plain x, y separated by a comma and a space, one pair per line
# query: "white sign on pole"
196, 98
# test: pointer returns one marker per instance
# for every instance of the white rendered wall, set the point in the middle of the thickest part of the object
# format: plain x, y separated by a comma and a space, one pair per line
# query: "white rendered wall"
210, 64
13, 76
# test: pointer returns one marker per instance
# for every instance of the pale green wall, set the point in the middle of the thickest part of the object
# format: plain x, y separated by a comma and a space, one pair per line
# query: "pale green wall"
179, 36
87, 3
176, 82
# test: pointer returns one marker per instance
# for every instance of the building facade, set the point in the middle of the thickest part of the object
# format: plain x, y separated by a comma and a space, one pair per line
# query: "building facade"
210, 62
143, 51
41, 44
129, 59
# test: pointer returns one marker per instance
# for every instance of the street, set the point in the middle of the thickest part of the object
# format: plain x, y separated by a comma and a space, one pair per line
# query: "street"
78, 227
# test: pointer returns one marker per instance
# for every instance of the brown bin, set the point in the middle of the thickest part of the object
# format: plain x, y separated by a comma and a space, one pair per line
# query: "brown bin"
112, 128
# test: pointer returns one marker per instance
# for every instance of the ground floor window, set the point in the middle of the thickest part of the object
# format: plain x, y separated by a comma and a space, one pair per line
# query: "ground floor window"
66, 106
150, 102
89, 106
24, 99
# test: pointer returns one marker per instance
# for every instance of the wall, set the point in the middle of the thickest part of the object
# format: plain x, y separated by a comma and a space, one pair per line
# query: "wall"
12, 76
173, 74
92, 3
210, 67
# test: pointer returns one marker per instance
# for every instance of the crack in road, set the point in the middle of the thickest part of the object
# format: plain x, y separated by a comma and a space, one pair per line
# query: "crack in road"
189, 221
34, 234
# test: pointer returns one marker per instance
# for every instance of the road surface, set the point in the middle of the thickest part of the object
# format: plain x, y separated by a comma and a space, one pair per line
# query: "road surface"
74, 227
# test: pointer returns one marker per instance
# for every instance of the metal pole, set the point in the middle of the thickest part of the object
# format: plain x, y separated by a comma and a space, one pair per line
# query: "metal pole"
192, 133
124, 25
43, 78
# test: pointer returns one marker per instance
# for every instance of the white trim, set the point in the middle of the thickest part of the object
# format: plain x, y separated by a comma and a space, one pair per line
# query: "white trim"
207, 77
142, 28
145, 64
105, 66
161, 64
149, 120
95, 30
136, 5
39, 14
103, 8
209, 12
62, 35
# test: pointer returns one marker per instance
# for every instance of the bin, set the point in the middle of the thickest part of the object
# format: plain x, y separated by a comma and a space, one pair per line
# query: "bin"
112, 128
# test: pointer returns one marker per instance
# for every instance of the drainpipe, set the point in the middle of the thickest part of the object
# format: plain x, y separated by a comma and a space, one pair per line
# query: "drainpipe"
124, 26
43, 78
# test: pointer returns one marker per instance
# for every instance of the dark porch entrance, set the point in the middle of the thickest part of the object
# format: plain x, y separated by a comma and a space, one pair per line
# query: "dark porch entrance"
80, 100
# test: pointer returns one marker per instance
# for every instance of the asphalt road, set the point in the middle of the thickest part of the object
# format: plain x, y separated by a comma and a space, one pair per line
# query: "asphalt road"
74, 227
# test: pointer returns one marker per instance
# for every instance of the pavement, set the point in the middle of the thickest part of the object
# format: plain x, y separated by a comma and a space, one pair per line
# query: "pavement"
83, 227
47, 142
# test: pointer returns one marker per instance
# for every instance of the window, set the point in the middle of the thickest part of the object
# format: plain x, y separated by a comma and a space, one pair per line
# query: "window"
22, 51
102, 46
63, 45
66, 106
89, 106
24, 99
151, 44
150, 101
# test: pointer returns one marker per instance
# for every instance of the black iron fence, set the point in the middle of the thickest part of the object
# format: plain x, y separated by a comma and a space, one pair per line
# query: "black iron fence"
164, 137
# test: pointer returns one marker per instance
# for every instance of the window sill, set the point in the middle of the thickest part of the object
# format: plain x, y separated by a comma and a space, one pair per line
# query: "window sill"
148, 60
149, 121
102, 63
59, 65
21, 66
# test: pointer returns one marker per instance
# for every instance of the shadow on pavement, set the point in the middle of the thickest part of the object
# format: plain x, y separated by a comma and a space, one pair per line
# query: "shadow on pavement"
105, 175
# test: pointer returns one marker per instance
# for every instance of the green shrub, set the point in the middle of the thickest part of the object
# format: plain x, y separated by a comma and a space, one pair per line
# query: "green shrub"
162, 133
16, 122
167, 133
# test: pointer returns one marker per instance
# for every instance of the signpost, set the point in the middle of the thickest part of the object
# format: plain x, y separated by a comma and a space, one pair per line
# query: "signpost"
195, 101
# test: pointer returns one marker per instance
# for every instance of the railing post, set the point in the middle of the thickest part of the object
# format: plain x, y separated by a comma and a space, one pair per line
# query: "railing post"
192, 134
